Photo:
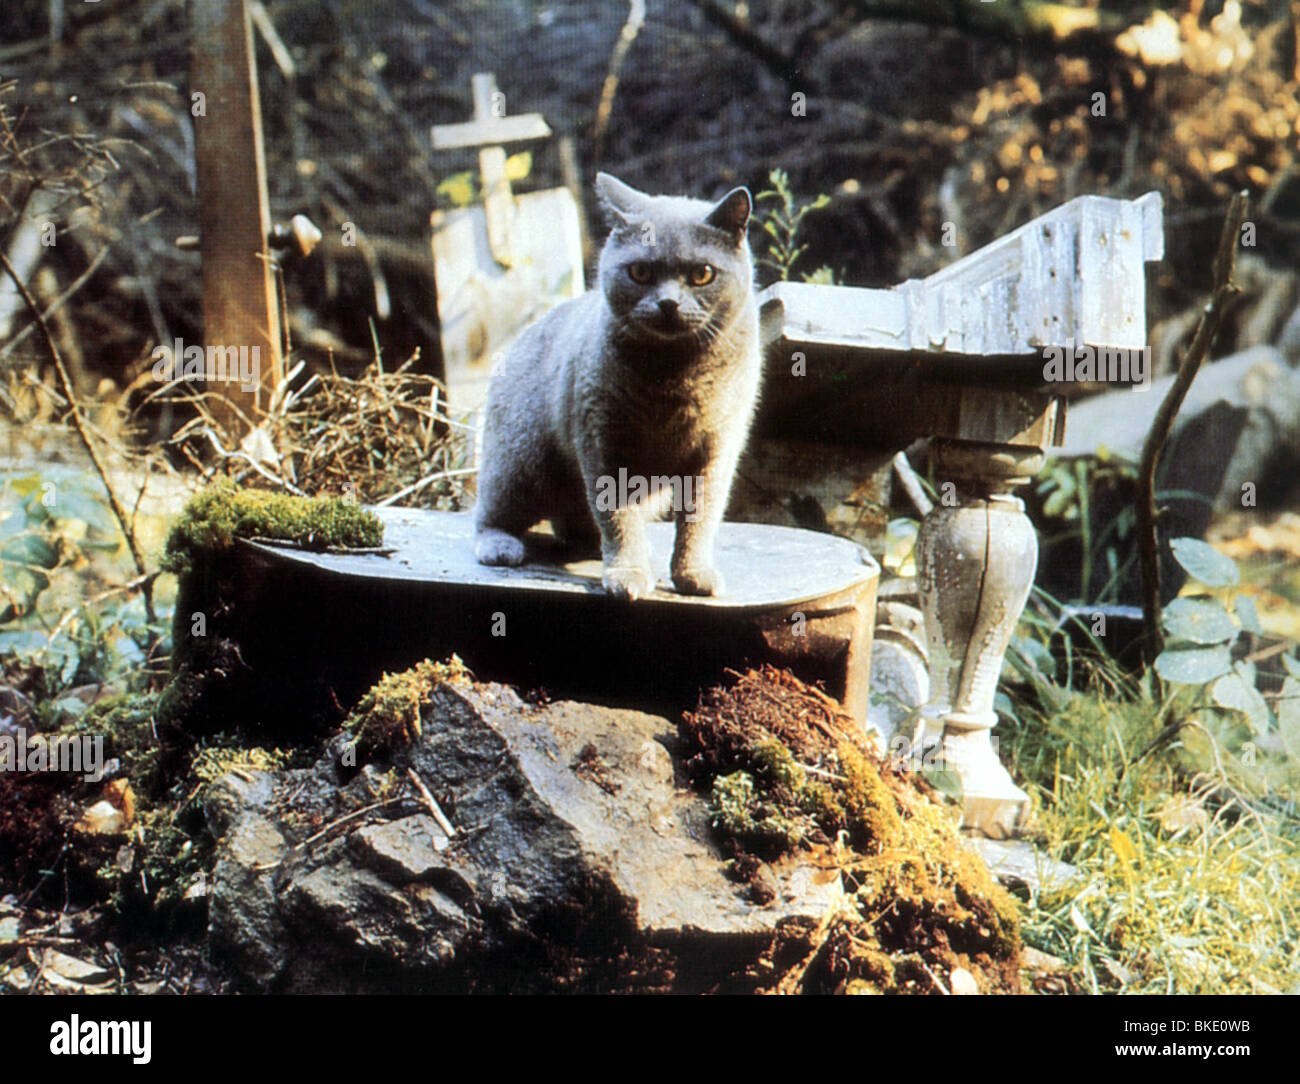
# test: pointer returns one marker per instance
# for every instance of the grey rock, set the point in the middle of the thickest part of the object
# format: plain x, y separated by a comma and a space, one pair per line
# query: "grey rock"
900, 685
900, 679
16, 712
572, 839
407, 850
232, 794
1239, 424
1020, 862
1240, 413
243, 919
420, 926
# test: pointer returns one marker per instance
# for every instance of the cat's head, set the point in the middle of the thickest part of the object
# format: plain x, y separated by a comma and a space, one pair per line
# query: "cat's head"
675, 270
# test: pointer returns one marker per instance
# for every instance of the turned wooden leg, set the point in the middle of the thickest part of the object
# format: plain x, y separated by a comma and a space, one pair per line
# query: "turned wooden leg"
976, 554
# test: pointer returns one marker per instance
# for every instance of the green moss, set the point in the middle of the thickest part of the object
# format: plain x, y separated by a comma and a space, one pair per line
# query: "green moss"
923, 903
819, 802
737, 811
869, 806
214, 518
776, 764
388, 716
214, 762
127, 724
172, 861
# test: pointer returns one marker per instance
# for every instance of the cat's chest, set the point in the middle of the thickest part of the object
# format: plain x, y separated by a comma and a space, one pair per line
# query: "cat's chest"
667, 428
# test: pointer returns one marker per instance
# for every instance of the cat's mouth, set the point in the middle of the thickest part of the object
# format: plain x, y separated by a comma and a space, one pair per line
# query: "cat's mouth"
667, 327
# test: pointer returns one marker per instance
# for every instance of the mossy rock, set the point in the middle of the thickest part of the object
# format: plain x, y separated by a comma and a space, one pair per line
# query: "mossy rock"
213, 519
922, 903
388, 716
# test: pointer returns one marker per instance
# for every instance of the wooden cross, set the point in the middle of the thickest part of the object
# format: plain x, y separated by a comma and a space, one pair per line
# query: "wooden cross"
489, 130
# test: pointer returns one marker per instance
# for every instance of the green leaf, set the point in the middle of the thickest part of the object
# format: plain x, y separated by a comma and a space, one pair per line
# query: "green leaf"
1193, 665
944, 780
1200, 621
518, 166
1288, 715
83, 506
1236, 692
1036, 654
22, 641
1204, 563
460, 189
1247, 615
1003, 705
30, 549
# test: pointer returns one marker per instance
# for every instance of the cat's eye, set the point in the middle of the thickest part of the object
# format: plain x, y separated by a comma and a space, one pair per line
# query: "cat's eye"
701, 275
639, 272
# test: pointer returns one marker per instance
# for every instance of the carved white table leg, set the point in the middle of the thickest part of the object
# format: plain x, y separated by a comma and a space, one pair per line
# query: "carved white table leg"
975, 563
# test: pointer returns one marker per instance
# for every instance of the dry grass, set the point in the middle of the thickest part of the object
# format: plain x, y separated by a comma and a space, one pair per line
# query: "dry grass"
381, 438
1189, 868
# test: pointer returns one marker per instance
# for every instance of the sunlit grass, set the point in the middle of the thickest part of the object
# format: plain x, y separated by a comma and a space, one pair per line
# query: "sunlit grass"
1185, 846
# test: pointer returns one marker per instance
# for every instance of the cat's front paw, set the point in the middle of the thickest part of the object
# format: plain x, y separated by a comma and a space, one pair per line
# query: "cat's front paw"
494, 547
630, 582
698, 581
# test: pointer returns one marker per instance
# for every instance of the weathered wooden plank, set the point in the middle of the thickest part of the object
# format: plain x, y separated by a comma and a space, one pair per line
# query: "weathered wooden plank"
795, 598
1071, 276
499, 266
482, 305
491, 130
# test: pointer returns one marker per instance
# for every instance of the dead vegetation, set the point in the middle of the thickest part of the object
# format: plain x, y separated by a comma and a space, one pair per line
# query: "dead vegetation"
788, 771
378, 438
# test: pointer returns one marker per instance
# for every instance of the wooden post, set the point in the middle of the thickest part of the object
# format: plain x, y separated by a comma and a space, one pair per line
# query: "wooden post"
240, 307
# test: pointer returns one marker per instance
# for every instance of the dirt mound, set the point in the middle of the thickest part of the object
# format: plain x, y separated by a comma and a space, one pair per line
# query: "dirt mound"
788, 772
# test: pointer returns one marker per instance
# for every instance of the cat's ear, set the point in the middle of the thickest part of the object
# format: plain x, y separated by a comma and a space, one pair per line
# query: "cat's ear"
731, 215
621, 202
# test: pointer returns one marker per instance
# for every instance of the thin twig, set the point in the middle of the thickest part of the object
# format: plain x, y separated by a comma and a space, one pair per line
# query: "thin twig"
635, 20
78, 422
1207, 330
912, 484
246, 458
428, 479
435, 810
56, 305
138, 583
330, 827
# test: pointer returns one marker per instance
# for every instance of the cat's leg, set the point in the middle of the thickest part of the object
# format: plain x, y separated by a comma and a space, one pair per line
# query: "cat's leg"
577, 535
503, 513
624, 549
699, 513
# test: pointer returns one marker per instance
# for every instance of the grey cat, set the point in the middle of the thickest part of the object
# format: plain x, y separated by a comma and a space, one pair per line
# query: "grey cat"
651, 378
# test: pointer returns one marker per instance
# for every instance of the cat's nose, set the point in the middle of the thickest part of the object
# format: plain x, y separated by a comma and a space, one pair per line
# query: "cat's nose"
668, 306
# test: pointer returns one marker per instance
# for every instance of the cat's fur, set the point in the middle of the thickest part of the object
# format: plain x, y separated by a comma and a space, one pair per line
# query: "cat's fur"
659, 378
